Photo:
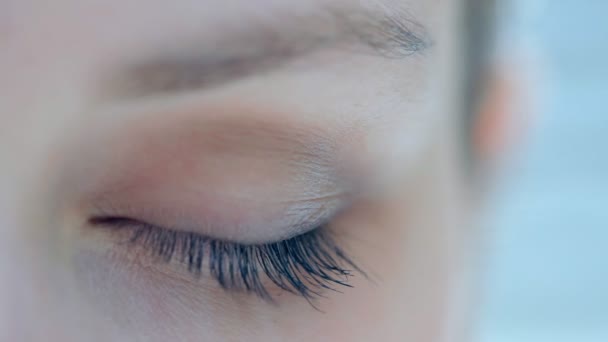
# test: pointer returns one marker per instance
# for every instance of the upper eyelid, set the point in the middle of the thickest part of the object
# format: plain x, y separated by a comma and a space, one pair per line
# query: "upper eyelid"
299, 216
152, 183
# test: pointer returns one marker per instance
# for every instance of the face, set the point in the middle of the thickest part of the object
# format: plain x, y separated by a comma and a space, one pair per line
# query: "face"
231, 170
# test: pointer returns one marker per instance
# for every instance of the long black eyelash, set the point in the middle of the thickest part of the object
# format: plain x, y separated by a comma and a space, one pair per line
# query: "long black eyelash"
304, 265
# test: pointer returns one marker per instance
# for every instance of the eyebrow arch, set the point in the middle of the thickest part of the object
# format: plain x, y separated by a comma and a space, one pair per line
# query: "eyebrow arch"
391, 33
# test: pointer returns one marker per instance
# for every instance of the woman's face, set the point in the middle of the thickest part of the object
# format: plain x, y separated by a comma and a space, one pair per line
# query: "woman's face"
205, 170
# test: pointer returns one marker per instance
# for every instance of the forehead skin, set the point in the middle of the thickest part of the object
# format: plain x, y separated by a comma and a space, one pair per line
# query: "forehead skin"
59, 54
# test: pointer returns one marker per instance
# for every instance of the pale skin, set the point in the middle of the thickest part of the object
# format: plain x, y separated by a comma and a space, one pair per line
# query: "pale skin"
305, 107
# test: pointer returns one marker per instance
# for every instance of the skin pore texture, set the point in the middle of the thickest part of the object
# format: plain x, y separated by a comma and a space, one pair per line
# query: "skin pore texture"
243, 121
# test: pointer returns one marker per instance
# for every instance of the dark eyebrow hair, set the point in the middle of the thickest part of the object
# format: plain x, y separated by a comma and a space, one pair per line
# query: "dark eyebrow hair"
390, 33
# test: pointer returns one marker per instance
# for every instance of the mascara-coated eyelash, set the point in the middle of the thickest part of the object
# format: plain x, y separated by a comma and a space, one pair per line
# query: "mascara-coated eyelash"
304, 265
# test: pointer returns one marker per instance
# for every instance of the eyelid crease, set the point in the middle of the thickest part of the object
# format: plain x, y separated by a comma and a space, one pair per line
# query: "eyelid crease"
323, 198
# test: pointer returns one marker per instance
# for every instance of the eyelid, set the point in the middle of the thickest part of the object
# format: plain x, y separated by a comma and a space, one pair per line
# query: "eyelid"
256, 178
261, 222
304, 265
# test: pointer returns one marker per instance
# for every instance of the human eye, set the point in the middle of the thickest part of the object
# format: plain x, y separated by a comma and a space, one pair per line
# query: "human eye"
244, 207
306, 265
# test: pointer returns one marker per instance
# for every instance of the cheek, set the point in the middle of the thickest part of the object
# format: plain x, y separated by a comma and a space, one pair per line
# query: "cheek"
135, 303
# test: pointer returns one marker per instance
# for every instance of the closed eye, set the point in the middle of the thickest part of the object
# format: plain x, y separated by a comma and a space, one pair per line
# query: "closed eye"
306, 265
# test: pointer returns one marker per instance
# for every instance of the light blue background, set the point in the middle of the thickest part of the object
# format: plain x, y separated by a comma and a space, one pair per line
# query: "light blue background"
548, 272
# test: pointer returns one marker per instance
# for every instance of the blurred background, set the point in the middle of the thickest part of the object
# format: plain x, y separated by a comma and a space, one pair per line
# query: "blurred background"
547, 276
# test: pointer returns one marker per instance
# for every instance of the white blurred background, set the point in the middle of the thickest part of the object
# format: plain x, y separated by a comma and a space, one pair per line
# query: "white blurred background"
547, 274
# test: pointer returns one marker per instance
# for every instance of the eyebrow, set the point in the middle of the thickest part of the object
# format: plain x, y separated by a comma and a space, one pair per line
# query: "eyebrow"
390, 33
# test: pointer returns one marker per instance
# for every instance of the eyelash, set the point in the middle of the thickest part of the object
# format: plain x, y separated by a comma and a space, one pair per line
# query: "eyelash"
304, 265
